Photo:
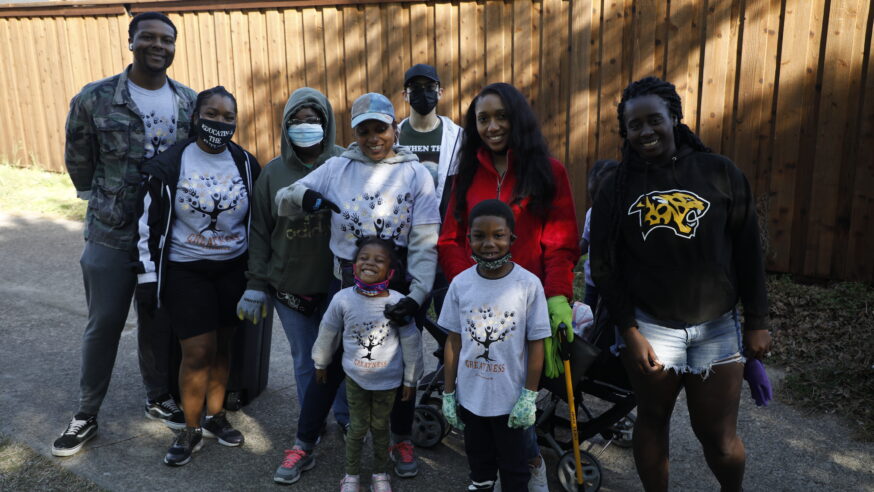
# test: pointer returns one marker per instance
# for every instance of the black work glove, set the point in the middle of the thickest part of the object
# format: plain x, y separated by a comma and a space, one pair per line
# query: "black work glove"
401, 312
313, 201
147, 298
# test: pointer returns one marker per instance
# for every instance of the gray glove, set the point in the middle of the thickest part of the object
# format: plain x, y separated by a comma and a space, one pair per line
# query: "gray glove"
253, 306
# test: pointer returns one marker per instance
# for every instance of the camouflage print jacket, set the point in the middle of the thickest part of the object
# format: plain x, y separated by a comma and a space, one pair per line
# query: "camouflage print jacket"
105, 149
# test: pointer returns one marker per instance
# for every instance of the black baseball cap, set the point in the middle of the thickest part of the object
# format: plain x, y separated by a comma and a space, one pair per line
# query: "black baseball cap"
421, 70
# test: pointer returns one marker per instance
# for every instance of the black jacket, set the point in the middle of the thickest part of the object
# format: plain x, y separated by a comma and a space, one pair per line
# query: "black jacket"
155, 206
688, 246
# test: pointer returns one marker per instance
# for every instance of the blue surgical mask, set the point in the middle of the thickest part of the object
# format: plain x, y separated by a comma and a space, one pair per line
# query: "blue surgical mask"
306, 134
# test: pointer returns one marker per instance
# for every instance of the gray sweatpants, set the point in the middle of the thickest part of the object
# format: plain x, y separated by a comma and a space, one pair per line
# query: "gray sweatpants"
109, 286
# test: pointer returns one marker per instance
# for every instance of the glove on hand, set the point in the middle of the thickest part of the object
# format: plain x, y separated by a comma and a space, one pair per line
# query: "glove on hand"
552, 364
757, 378
524, 412
450, 410
313, 201
253, 306
147, 297
560, 312
401, 312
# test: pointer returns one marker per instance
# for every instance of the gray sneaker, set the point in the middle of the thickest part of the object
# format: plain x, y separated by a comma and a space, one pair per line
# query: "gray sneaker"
296, 461
406, 465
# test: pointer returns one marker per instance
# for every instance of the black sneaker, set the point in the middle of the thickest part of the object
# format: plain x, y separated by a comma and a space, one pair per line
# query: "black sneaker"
188, 441
166, 411
80, 430
218, 427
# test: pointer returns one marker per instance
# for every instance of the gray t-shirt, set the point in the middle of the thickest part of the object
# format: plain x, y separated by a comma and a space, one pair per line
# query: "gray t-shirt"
210, 208
158, 111
495, 318
376, 355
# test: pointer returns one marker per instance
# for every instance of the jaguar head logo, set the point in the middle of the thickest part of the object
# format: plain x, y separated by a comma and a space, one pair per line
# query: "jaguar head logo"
677, 210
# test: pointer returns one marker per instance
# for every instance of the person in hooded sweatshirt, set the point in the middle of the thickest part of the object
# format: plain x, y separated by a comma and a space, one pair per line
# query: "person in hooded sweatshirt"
375, 188
290, 263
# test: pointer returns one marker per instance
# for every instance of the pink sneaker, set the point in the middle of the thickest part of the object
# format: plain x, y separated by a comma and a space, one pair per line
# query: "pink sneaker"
349, 484
380, 482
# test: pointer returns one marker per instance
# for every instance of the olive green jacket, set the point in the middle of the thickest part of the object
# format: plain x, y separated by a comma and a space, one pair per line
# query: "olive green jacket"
104, 151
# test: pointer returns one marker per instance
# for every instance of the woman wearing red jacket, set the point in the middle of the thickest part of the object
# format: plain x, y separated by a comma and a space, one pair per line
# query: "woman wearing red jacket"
505, 156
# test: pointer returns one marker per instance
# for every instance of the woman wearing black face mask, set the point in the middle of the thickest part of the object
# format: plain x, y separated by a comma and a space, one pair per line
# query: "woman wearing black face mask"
192, 249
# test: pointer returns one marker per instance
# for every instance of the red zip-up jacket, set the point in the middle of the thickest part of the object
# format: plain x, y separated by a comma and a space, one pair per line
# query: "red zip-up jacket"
545, 246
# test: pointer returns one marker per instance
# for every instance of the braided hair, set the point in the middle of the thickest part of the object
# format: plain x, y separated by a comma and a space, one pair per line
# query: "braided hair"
533, 170
683, 136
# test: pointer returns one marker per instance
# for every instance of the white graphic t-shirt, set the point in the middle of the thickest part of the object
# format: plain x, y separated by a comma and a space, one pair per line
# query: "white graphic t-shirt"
158, 110
372, 354
375, 199
495, 318
210, 208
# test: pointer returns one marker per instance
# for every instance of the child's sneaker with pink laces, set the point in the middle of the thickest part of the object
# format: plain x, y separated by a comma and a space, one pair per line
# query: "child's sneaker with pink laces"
380, 482
296, 461
404, 457
349, 484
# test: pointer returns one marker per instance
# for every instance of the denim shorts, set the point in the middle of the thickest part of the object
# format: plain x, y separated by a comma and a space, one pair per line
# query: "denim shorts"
688, 348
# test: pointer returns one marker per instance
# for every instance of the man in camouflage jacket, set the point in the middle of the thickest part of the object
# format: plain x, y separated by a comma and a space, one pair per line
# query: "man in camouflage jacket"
114, 125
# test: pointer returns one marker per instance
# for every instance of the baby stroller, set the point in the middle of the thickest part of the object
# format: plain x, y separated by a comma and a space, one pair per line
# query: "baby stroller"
602, 397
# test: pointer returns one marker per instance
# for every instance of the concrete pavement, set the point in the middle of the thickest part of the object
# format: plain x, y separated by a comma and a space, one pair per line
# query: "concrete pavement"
42, 316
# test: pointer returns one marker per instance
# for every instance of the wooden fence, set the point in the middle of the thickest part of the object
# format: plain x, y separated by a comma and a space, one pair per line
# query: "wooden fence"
783, 87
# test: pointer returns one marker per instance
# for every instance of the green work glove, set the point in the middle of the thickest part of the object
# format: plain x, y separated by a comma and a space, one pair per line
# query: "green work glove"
552, 365
524, 412
560, 312
450, 410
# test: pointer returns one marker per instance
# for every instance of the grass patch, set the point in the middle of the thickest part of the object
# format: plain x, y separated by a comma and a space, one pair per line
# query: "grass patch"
21, 468
824, 337
31, 191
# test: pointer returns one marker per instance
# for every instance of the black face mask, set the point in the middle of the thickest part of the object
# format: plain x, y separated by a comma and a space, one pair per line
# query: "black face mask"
423, 101
215, 134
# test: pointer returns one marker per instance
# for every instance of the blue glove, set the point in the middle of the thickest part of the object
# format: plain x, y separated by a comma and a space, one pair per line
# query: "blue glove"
757, 378
253, 306
450, 410
524, 412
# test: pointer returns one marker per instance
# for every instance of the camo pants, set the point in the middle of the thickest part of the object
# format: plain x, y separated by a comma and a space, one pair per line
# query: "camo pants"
368, 411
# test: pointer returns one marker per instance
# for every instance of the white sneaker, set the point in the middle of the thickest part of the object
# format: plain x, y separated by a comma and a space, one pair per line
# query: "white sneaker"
537, 482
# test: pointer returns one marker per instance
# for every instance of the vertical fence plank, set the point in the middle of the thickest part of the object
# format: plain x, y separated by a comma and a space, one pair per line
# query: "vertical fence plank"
550, 66
842, 64
12, 147
279, 92
224, 65
314, 49
717, 51
446, 40
194, 55
334, 60
612, 80
577, 128
471, 70
644, 49
684, 55
395, 33
295, 63
37, 136
179, 69
523, 61
494, 42
861, 229
243, 79
794, 96
262, 116
375, 48
209, 55
52, 85
356, 70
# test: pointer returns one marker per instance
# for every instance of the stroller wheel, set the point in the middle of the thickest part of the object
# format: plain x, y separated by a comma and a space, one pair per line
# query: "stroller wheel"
624, 430
567, 475
429, 426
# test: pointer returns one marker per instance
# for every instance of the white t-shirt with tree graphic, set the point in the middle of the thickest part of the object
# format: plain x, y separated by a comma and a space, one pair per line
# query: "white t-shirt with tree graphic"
382, 199
376, 354
495, 318
210, 208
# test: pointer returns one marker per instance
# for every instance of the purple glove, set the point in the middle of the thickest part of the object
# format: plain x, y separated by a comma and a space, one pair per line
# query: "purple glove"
760, 385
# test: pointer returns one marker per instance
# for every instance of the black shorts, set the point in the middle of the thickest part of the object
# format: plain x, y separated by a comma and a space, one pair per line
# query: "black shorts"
201, 296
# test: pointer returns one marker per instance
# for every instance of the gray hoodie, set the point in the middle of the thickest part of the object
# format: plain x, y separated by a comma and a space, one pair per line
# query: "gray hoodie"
291, 254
